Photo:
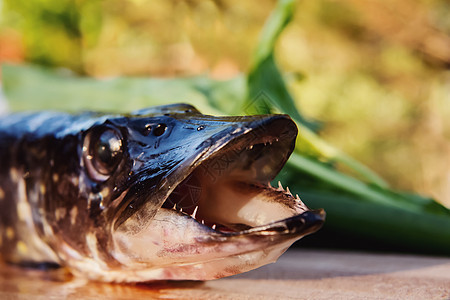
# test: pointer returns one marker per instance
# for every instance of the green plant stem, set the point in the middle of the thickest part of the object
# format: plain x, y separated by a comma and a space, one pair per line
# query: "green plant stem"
345, 182
333, 154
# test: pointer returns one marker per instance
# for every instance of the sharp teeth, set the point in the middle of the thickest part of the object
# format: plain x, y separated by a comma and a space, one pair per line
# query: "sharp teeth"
174, 206
280, 187
181, 209
288, 191
203, 222
250, 147
213, 227
195, 212
299, 202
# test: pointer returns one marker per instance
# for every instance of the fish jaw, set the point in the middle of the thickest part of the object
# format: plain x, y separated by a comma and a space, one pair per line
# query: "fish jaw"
188, 250
216, 225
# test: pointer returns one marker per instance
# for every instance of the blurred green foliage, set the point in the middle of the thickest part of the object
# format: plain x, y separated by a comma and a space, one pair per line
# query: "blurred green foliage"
55, 30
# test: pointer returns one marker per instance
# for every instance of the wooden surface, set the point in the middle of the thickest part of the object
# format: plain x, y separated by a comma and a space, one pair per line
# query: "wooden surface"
299, 274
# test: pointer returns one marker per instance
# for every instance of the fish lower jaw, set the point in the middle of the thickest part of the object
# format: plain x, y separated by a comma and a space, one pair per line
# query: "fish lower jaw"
204, 270
176, 246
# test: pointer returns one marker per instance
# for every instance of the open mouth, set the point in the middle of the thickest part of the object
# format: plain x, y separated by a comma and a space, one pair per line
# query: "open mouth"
221, 216
230, 193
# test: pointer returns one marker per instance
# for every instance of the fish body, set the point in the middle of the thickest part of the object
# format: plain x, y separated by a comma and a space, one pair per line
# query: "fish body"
161, 193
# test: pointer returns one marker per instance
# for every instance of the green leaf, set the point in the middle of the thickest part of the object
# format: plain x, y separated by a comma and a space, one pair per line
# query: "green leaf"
36, 88
267, 90
266, 85
419, 231
280, 17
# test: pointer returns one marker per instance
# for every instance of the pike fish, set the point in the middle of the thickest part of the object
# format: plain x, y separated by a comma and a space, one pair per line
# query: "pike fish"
164, 193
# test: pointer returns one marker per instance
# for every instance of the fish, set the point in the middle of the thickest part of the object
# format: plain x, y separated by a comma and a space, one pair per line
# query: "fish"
162, 193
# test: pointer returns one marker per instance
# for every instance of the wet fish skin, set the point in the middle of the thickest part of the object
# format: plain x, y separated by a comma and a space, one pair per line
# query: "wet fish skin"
43, 180
57, 207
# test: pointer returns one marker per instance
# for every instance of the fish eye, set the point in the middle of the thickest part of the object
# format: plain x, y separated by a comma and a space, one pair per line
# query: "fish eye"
103, 151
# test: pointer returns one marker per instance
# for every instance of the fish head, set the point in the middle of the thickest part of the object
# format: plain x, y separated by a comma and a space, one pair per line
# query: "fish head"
189, 195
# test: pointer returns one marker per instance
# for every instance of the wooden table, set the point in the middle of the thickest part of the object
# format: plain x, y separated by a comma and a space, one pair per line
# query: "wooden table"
299, 274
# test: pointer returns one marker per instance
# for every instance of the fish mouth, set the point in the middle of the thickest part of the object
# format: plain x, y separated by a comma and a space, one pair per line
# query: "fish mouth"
229, 192
221, 216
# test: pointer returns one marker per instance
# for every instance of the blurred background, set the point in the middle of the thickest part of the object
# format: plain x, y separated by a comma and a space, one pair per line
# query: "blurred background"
375, 73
